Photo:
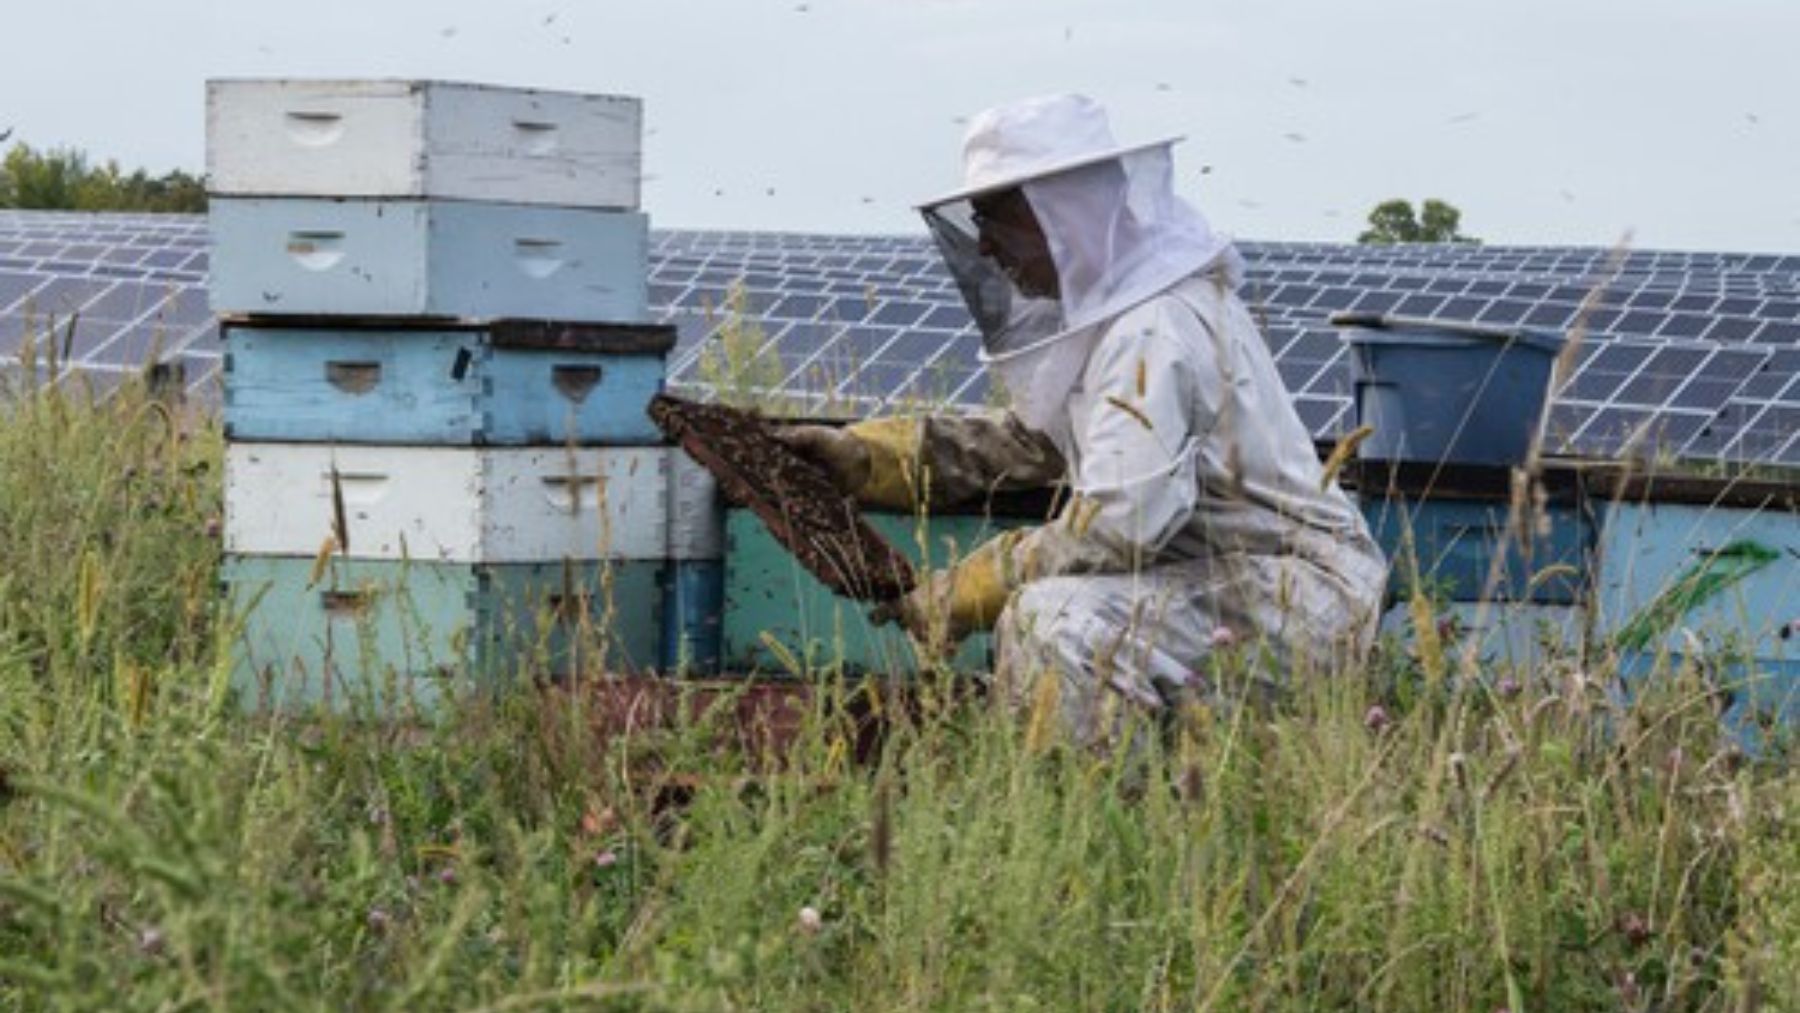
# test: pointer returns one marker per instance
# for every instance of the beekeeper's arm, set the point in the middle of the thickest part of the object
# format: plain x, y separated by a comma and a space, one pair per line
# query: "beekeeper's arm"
1153, 397
906, 461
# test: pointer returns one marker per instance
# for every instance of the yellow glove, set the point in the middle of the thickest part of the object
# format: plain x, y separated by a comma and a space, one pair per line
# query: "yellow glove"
948, 605
892, 481
876, 461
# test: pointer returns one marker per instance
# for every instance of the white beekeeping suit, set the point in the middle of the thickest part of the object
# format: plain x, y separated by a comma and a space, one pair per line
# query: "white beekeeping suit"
1201, 515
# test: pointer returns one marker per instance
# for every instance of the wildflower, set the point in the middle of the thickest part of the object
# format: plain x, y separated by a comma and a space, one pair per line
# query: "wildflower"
1508, 687
213, 527
606, 858
1628, 989
1631, 925
1377, 720
378, 920
1223, 637
447, 875
810, 920
599, 823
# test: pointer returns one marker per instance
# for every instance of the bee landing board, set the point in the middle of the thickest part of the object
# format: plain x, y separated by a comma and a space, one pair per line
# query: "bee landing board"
348, 138
447, 504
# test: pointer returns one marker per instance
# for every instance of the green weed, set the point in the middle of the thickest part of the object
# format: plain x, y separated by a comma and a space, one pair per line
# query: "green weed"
1547, 847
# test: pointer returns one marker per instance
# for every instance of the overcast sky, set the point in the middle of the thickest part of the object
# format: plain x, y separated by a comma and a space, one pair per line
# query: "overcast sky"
1546, 121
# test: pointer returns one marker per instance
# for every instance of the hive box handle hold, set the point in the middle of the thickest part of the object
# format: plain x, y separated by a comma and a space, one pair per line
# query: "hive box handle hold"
575, 382
316, 250
538, 258
344, 604
354, 378
535, 136
571, 493
313, 128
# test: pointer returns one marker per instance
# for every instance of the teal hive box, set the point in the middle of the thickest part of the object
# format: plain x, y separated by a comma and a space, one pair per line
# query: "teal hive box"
1685, 579
392, 638
506, 383
778, 616
1454, 545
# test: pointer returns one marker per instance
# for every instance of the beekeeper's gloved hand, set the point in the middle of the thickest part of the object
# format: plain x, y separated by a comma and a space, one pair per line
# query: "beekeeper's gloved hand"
948, 605
875, 461
841, 454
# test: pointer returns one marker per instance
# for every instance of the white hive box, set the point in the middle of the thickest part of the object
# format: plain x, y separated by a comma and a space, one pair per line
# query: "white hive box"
423, 139
301, 256
448, 504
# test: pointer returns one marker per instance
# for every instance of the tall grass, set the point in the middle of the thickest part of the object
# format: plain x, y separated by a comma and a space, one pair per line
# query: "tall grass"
1382, 842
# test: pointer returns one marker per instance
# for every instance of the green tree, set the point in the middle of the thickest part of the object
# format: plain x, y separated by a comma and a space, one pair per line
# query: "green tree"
61, 179
1395, 221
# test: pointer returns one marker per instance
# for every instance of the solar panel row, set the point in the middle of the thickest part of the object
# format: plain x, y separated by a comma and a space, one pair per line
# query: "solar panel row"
1683, 354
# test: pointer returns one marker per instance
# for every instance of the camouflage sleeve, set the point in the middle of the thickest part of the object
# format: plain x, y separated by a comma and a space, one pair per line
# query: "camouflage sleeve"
952, 459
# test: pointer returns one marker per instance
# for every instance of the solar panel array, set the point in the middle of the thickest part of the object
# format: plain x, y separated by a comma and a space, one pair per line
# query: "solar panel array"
1686, 355
109, 292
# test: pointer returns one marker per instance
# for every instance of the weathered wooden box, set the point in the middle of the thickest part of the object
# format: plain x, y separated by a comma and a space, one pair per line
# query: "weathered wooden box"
507, 383
1512, 639
778, 617
333, 138
1712, 586
1708, 570
386, 637
447, 504
694, 608
693, 616
1453, 546
430, 258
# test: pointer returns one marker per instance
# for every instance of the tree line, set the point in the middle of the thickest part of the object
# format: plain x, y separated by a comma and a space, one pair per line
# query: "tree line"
63, 179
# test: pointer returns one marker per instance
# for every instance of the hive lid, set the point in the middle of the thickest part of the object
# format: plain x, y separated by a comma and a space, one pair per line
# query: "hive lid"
1371, 327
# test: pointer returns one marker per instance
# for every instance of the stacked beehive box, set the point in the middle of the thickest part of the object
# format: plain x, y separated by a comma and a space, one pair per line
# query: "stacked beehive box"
437, 367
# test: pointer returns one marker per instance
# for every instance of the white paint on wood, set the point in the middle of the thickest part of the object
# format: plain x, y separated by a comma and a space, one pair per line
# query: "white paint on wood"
696, 515
397, 139
474, 259
448, 504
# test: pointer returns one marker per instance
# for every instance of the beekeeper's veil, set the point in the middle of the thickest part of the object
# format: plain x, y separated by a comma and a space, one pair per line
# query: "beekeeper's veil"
1115, 230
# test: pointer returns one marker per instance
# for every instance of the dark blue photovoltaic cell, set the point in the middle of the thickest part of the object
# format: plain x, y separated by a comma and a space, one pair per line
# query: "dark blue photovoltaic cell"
15, 286
1777, 332
1766, 433
1419, 306
1563, 422
900, 314
1704, 394
799, 306
134, 346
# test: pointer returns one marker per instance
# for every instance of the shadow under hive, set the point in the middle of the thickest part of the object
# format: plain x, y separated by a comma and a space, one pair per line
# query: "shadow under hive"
791, 494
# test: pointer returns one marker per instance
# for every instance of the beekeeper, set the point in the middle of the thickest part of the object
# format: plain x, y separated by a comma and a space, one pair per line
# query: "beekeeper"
1200, 519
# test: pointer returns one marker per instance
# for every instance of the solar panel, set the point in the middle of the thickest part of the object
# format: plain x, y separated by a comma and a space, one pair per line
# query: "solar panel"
1690, 354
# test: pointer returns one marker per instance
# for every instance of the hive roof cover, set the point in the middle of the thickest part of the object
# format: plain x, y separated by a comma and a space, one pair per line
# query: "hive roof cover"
1692, 356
